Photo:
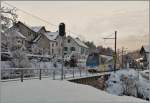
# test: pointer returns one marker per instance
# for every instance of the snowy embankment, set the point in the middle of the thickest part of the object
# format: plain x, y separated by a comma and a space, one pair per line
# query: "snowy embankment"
129, 82
55, 91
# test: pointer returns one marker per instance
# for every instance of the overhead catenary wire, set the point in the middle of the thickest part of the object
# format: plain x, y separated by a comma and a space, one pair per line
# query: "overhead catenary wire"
104, 41
110, 35
52, 24
30, 14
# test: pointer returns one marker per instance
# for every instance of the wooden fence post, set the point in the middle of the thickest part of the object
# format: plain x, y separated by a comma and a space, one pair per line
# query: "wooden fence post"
64, 74
40, 75
80, 71
54, 74
73, 72
21, 75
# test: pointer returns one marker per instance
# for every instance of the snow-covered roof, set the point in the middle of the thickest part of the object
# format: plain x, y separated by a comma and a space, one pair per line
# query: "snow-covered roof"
36, 28
80, 42
51, 35
14, 32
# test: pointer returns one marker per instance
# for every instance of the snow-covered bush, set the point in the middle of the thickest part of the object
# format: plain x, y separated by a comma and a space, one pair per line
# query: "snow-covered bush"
128, 82
8, 17
20, 59
143, 87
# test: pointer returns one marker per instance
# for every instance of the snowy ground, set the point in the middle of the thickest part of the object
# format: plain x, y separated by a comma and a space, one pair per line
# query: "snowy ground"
56, 91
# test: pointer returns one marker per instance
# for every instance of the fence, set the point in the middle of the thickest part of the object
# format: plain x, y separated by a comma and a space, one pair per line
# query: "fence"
23, 74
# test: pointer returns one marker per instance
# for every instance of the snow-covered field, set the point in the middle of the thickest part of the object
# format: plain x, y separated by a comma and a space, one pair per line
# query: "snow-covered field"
56, 91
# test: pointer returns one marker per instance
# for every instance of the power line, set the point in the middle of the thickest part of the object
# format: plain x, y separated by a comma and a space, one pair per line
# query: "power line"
38, 17
109, 35
30, 14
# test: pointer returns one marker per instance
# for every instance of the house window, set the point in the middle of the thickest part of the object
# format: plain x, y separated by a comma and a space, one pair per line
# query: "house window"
29, 33
19, 41
52, 51
68, 40
52, 44
59, 51
65, 53
82, 50
72, 48
65, 48
56, 43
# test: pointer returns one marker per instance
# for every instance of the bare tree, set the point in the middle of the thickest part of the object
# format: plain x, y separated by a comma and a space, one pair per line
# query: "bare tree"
129, 85
20, 59
8, 17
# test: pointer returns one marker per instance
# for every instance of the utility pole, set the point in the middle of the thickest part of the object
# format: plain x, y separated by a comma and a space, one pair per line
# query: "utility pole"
115, 53
115, 60
122, 57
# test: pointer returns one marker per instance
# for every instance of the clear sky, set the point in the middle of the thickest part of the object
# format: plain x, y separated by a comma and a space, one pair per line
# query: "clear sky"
93, 20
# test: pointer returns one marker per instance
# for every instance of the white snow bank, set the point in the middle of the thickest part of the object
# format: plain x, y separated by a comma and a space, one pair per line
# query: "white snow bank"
53, 91
128, 82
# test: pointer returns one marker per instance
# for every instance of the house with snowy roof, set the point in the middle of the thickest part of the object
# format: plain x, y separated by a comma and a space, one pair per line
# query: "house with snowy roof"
26, 31
51, 42
40, 45
145, 50
13, 38
74, 46
55, 43
33, 36
42, 42
39, 40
